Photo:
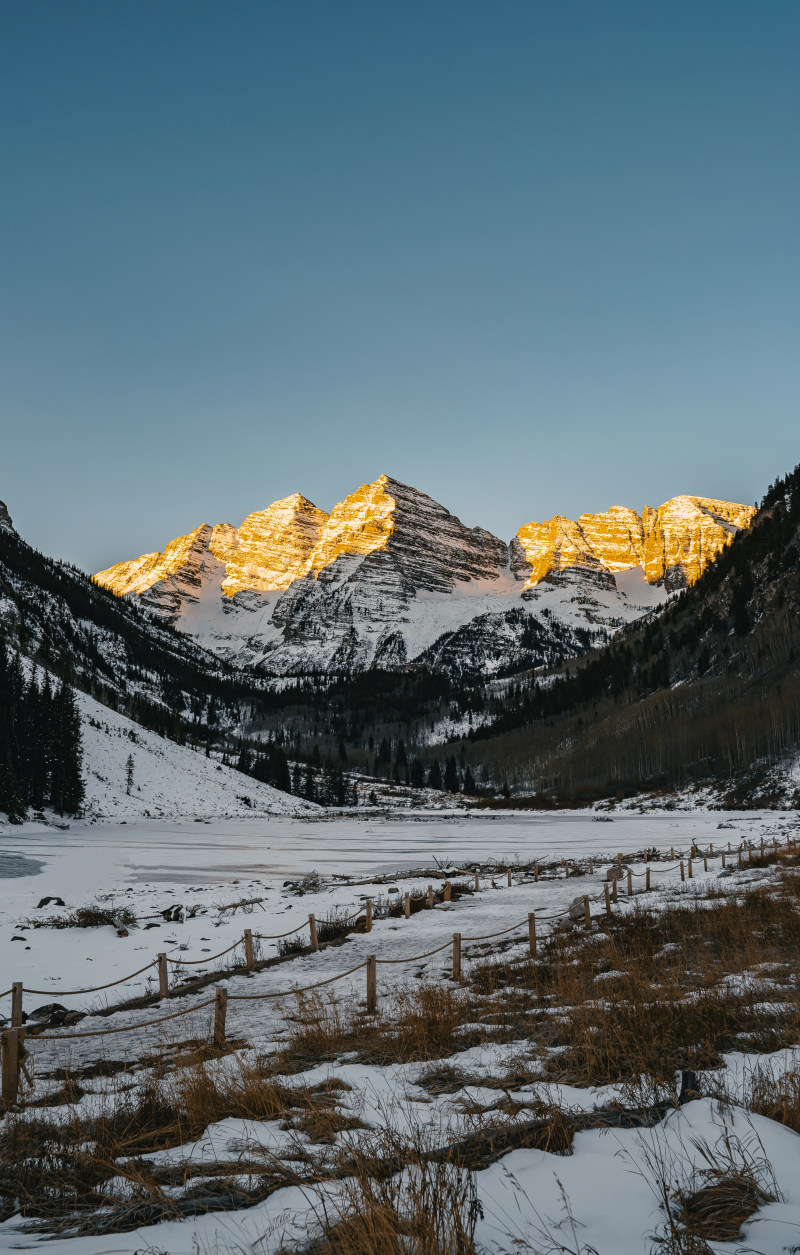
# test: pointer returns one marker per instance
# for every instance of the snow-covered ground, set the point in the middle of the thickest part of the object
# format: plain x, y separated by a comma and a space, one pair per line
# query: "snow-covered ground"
168, 779
148, 866
212, 865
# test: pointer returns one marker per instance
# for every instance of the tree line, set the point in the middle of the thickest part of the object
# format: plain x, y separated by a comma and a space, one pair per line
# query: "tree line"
40, 742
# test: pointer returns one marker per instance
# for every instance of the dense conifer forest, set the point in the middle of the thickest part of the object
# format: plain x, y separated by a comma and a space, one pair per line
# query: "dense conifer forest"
40, 741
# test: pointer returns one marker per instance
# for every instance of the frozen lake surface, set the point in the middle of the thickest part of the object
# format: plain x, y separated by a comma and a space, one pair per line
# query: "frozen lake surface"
90, 857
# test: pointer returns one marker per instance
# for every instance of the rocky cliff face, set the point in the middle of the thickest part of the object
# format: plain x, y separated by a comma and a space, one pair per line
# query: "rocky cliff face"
275, 546
683, 536
5, 519
390, 576
672, 545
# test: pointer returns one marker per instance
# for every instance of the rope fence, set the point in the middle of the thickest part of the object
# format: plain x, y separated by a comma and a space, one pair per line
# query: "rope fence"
13, 1038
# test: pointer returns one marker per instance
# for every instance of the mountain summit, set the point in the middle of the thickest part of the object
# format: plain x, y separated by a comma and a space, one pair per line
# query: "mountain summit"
390, 576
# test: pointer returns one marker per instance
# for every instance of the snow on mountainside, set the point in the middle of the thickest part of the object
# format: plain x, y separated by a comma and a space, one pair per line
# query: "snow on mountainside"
169, 780
390, 576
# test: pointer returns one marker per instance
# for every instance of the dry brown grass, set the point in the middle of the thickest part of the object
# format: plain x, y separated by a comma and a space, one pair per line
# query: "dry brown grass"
426, 1207
777, 1097
57, 1165
642, 995
651, 992
422, 1023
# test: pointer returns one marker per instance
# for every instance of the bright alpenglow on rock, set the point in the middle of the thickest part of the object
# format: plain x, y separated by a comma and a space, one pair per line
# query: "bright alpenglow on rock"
399, 628
390, 576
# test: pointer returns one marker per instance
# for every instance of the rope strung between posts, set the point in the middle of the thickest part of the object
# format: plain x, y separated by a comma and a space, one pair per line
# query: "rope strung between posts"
126, 1028
69, 993
7, 992
178, 962
290, 993
415, 958
131, 1028
279, 936
197, 962
503, 931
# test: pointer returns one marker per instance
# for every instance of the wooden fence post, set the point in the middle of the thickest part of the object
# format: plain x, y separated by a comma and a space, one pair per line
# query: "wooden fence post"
647, 880
456, 956
614, 888
13, 1050
447, 891
368, 918
407, 906
509, 877
740, 856
16, 1004
591, 866
430, 897
730, 851
630, 882
535, 872
312, 928
762, 847
683, 871
672, 854
689, 869
220, 1011
372, 985
566, 869
645, 856
711, 849
248, 949
587, 912
163, 977
607, 898
532, 934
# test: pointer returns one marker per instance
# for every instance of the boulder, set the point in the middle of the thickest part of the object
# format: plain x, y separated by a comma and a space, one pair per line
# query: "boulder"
617, 871
45, 1012
576, 909
50, 901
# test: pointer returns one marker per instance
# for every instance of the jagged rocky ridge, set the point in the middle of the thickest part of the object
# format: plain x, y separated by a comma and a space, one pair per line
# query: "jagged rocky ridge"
391, 578
113, 648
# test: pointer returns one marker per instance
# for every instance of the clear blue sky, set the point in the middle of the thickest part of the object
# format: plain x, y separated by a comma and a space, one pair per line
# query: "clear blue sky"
532, 257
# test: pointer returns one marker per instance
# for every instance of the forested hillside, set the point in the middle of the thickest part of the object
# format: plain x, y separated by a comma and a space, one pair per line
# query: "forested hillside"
40, 742
707, 690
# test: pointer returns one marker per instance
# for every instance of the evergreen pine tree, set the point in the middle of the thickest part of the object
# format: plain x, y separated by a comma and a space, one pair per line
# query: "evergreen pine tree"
451, 781
435, 775
309, 792
67, 789
417, 774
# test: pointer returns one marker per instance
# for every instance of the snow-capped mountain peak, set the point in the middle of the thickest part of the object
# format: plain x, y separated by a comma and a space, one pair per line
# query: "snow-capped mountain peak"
390, 573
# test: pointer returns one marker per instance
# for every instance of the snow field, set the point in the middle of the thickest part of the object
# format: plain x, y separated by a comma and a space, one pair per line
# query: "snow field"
610, 1199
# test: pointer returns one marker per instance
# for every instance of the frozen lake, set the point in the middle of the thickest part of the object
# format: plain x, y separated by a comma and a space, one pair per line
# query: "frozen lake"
92, 857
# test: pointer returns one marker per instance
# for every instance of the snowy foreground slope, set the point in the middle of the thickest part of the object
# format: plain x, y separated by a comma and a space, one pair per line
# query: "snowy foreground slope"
169, 780
597, 1198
